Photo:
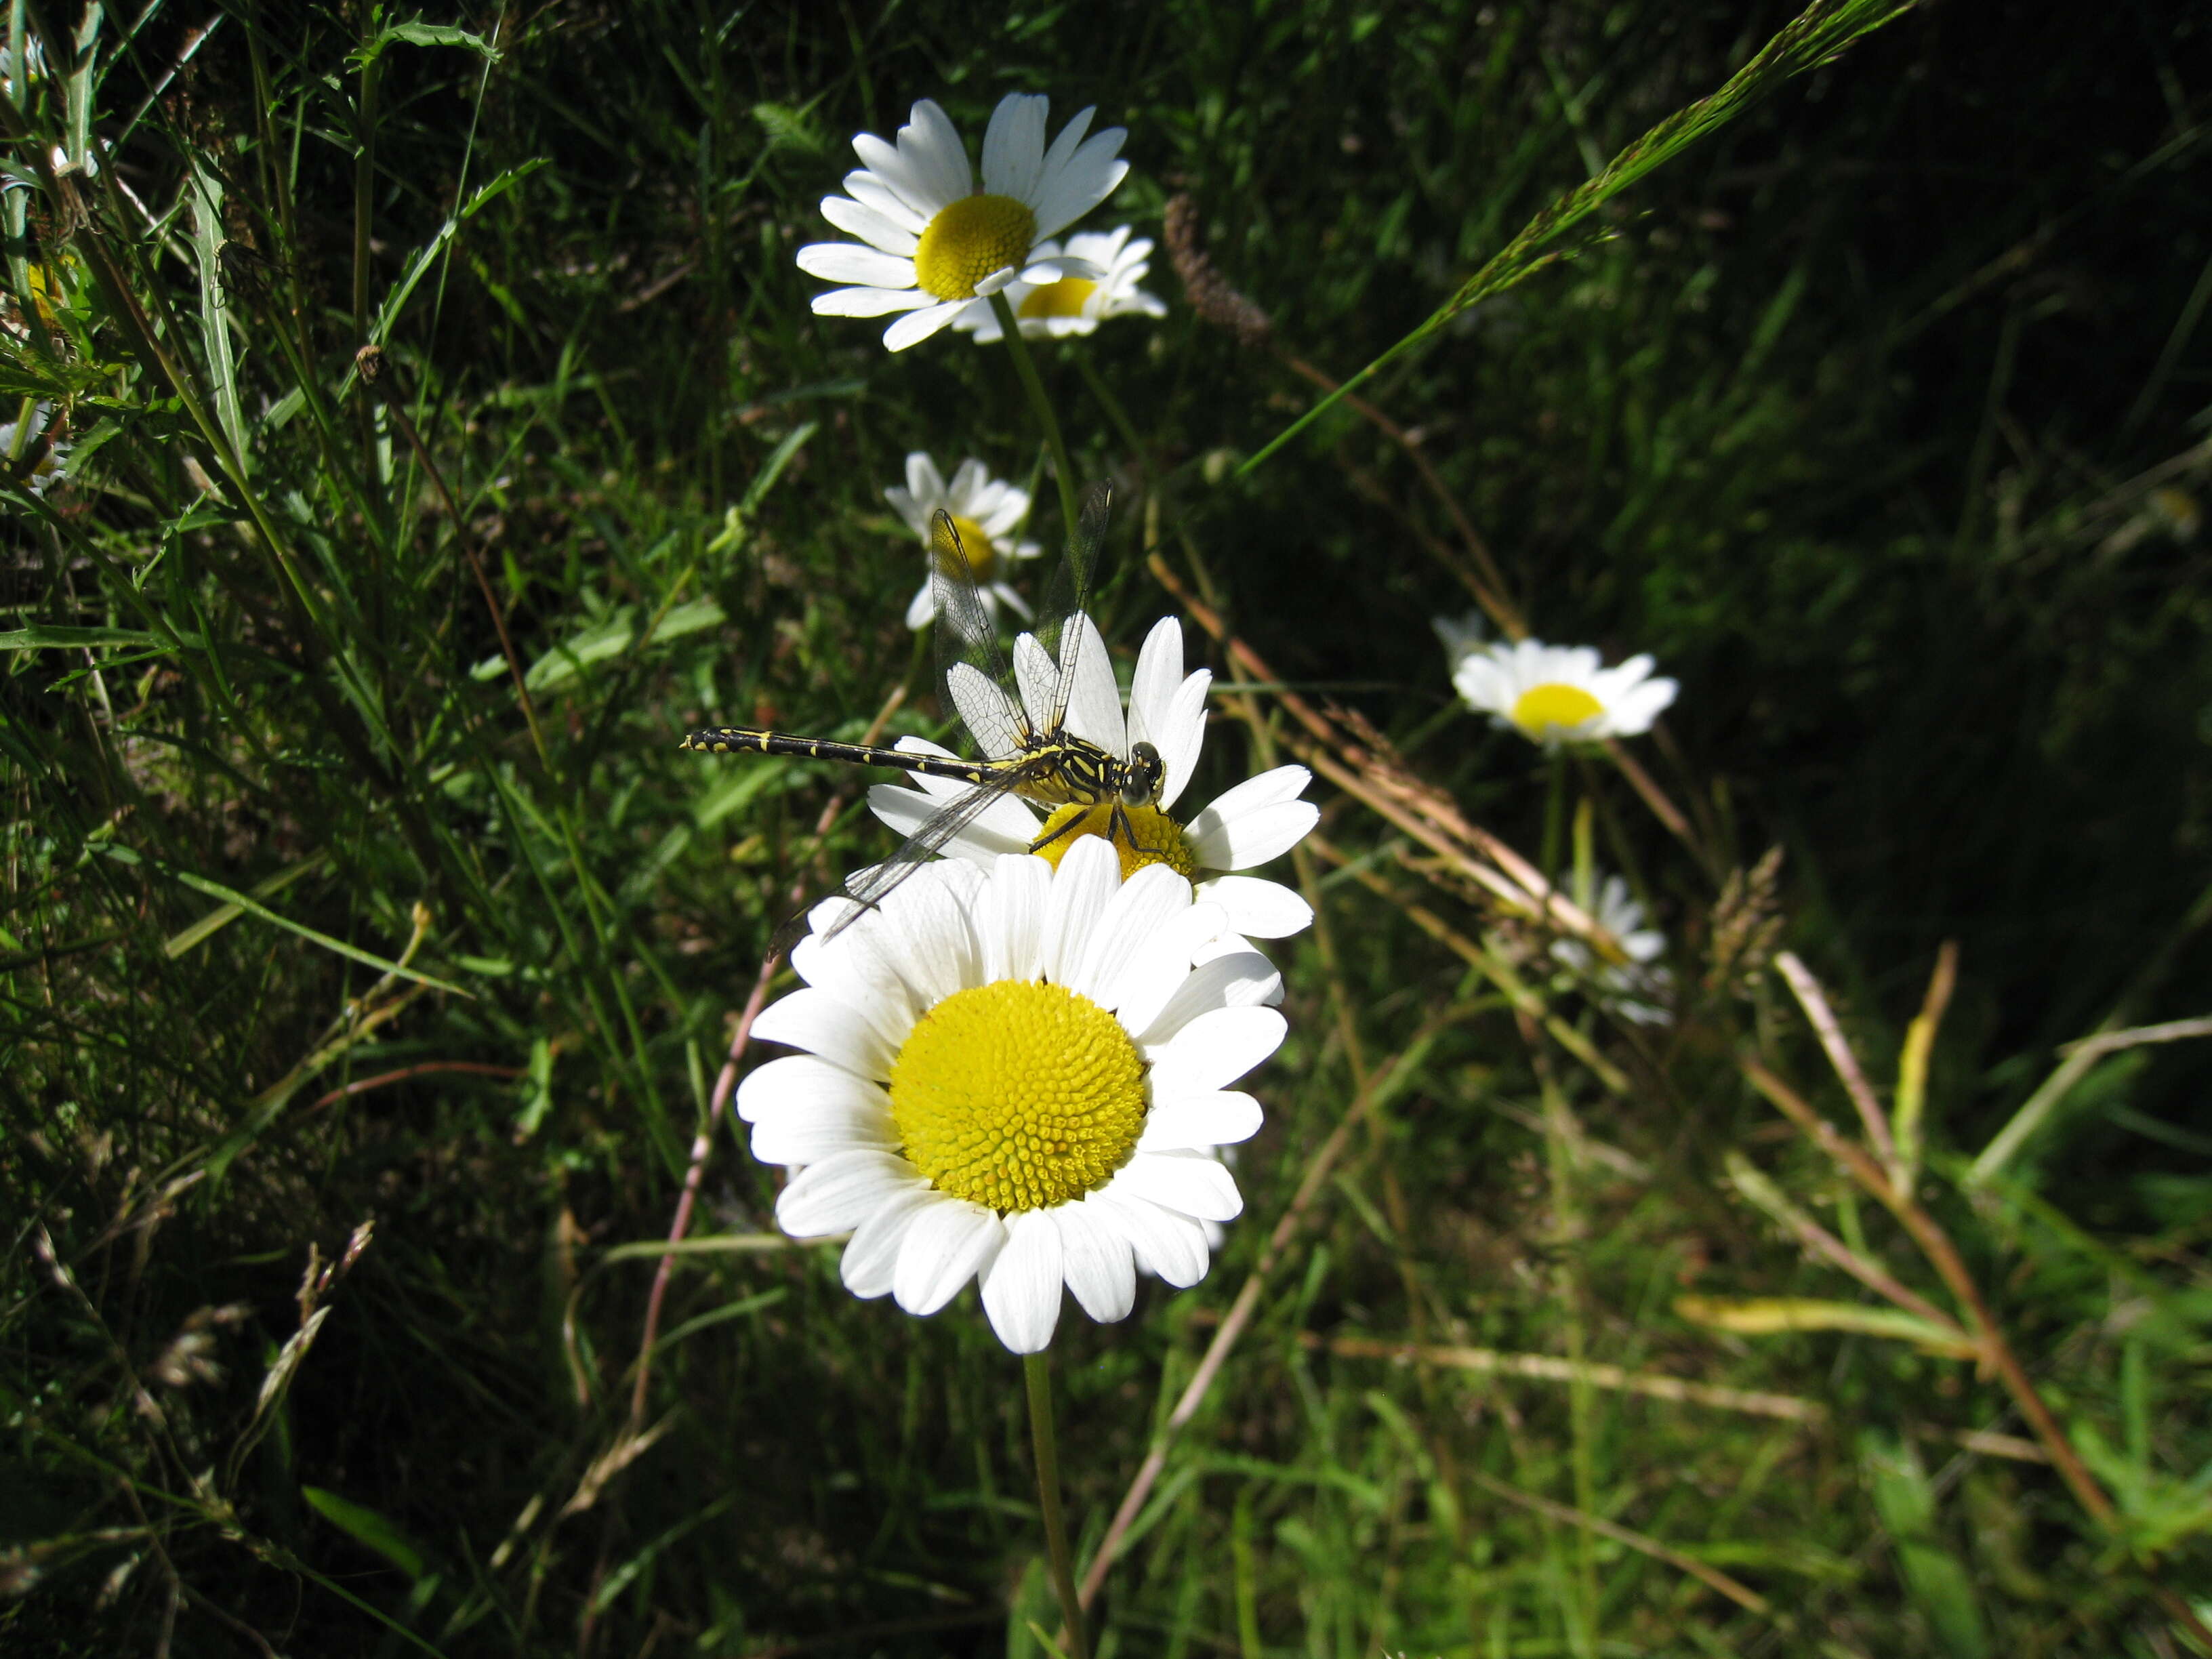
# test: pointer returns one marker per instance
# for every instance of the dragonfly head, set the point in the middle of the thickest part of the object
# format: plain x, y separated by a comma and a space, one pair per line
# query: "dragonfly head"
1142, 778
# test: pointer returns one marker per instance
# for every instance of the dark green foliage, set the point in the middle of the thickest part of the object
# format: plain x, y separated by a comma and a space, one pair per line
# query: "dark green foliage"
1857, 413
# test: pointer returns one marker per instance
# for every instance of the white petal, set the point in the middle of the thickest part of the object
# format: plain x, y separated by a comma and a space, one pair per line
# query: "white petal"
921, 607
1088, 179
1258, 908
1007, 597
1215, 1049
1182, 733
1157, 971
1169, 1246
1044, 270
1084, 884
1010, 914
1193, 1122
1270, 788
1005, 826
853, 969
942, 1249
840, 1193
872, 1255
1189, 1182
918, 325
1253, 837
803, 1083
1014, 145
824, 1024
867, 301
1003, 277
1094, 703
794, 1134
927, 931
871, 225
1096, 1260
925, 483
1158, 672
848, 262
931, 145
1021, 1288
1147, 902
894, 173
1237, 979
873, 193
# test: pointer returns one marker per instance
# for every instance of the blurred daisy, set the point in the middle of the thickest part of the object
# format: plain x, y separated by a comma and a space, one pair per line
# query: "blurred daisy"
1076, 304
1461, 637
1623, 985
1014, 1075
18, 446
935, 243
1556, 693
985, 510
1258, 819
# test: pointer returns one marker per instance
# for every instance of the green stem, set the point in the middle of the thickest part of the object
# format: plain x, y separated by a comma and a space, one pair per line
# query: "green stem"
1115, 413
1026, 366
1037, 1371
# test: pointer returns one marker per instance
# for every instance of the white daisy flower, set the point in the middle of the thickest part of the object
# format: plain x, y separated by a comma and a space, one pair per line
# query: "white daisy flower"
1258, 819
1624, 985
1555, 694
1014, 1075
49, 468
1075, 305
985, 510
935, 243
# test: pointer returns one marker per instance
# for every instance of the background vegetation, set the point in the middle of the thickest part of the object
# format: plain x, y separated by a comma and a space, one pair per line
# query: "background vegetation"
1878, 415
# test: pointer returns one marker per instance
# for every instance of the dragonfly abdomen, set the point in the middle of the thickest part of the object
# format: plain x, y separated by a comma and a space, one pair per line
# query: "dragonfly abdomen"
748, 740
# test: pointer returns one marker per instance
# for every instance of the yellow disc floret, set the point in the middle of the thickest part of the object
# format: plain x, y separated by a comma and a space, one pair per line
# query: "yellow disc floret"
982, 556
1018, 1095
1541, 708
1064, 298
1144, 835
969, 240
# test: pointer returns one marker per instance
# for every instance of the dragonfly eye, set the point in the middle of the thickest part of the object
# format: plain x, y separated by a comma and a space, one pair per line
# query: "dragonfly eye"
1140, 783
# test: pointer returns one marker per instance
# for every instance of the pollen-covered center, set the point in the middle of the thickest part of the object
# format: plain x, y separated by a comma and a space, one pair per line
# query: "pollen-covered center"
1541, 708
969, 240
1064, 298
1143, 836
1018, 1095
982, 556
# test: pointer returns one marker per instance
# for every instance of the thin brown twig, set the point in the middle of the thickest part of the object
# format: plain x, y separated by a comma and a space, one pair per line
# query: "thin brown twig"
1815, 1002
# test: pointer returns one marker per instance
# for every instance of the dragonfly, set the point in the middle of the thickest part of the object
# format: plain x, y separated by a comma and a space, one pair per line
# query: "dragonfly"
1018, 721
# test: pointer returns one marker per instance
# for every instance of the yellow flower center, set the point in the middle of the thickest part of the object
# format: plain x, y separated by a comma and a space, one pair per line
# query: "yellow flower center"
1018, 1095
1145, 836
969, 240
1064, 298
982, 556
1541, 708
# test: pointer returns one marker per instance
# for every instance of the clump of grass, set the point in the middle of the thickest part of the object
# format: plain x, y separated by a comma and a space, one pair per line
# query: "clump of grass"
352, 877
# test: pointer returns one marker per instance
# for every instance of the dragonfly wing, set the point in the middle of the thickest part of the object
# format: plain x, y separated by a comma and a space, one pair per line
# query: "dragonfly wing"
1069, 595
1090, 701
997, 725
968, 654
871, 886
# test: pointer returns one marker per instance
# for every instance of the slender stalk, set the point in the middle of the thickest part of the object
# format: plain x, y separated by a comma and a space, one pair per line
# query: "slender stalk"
1037, 1371
1026, 366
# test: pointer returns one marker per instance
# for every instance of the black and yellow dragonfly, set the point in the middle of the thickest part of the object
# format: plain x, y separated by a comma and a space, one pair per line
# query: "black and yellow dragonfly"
1019, 723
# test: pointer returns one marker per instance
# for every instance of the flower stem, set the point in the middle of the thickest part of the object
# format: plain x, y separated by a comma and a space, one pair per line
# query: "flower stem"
1026, 366
1037, 1369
